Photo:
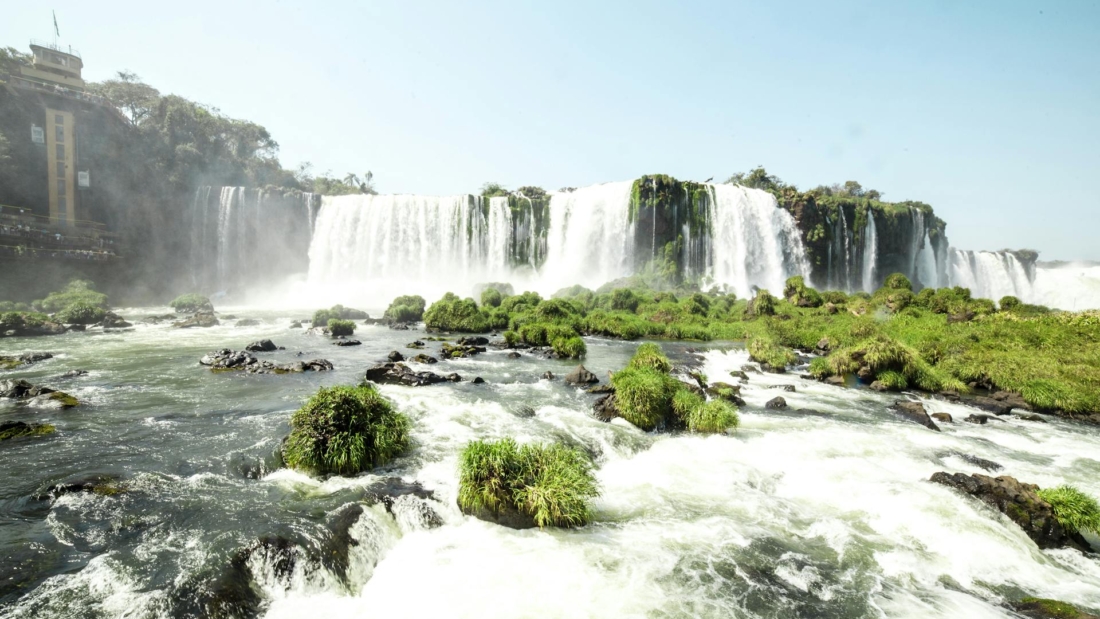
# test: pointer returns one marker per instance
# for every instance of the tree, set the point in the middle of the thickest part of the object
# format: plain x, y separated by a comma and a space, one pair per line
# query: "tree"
135, 98
11, 59
493, 190
367, 186
757, 178
351, 179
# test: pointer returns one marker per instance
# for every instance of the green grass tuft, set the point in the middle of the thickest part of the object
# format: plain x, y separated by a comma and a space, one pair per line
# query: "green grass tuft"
341, 327
715, 416
191, 303
570, 347
1075, 510
345, 430
452, 313
82, 313
550, 483
644, 396
650, 356
409, 308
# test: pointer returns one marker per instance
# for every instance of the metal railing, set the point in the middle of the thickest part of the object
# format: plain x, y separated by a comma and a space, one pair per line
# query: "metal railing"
57, 48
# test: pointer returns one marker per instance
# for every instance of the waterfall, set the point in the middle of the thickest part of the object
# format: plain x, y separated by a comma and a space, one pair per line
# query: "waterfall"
243, 237
843, 241
926, 267
590, 239
991, 274
870, 252
412, 243
754, 243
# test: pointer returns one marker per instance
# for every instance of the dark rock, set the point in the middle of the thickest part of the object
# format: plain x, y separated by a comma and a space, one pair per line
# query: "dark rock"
395, 356
513, 355
415, 345
914, 411
226, 360
247, 322
478, 380
739, 374
773, 369
524, 411
1014, 400
944, 417
74, 374
16, 429
400, 374
261, 346
581, 376
8, 362
981, 463
751, 367
726, 391
114, 321
835, 380
1020, 503
473, 340
823, 345
606, 408
399, 326
99, 483
548, 375
964, 316
506, 515
601, 389
202, 319
422, 358
777, 403
1032, 417
295, 325
346, 343
460, 351
981, 419
787, 388
453, 378
879, 386
77, 328
34, 395
997, 407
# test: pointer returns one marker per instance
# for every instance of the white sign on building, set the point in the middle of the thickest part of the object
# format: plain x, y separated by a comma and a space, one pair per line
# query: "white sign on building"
38, 135
83, 179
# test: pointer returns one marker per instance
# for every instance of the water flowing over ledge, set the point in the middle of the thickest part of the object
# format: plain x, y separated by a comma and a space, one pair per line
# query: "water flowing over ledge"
726, 235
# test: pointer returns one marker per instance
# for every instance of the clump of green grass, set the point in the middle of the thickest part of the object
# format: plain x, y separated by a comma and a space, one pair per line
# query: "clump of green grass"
82, 313
341, 327
549, 483
191, 303
452, 313
763, 304
765, 349
644, 396
1054, 609
17, 429
344, 431
570, 347
715, 416
408, 308
650, 356
491, 297
76, 291
1074, 510
797, 293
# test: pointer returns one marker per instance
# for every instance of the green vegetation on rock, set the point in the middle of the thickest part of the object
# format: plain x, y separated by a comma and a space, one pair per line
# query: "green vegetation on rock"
452, 313
82, 313
191, 303
1074, 510
341, 327
77, 291
409, 308
16, 429
1042, 608
549, 484
345, 430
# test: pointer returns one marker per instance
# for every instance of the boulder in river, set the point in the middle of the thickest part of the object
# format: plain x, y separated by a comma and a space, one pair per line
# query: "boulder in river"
581, 376
8, 362
401, 374
473, 340
226, 360
776, 403
726, 391
914, 411
606, 408
16, 429
997, 407
247, 322
113, 321
395, 356
459, 351
1020, 502
943, 417
1041, 608
44, 397
548, 375
201, 319
262, 346
347, 343
426, 359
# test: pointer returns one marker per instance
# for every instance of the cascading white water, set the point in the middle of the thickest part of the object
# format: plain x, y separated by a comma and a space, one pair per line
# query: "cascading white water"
870, 253
844, 242
753, 241
990, 274
926, 267
591, 239
423, 244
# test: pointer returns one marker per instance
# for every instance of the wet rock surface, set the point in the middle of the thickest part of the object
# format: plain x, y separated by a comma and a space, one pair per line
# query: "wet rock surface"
19, 389
347, 343
606, 408
776, 403
262, 346
400, 374
201, 320
238, 360
1020, 503
9, 362
914, 412
581, 376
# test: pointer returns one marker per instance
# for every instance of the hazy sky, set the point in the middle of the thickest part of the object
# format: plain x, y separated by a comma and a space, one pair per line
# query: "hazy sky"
989, 111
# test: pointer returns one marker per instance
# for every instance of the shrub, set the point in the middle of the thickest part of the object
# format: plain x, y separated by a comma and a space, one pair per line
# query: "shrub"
491, 297
1074, 510
714, 416
341, 327
452, 313
685, 401
81, 313
644, 396
764, 349
322, 317
650, 356
624, 299
898, 281
409, 308
76, 291
798, 293
549, 483
1009, 303
191, 303
570, 347
836, 297
345, 430
763, 304
892, 380
511, 337
520, 302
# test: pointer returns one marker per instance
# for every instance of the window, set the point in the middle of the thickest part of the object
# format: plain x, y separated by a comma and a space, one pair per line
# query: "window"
60, 151
61, 187
62, 205
59, 119
60, 168
59, 133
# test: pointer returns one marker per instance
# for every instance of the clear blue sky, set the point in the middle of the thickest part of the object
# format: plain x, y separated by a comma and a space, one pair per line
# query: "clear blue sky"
989, 111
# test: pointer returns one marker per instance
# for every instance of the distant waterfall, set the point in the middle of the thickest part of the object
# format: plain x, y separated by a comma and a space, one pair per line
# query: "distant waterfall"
242, 237
870, 253
420, 242
991, 274
753, 242
591, 239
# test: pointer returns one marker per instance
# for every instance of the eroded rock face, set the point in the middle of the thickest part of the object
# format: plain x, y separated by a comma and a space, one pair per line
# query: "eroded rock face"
225, 360
1020, 503
914, 411
400, 374
581, 376
606, 408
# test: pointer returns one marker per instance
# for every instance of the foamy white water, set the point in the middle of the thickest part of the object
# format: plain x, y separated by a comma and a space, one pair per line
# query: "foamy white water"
591, 238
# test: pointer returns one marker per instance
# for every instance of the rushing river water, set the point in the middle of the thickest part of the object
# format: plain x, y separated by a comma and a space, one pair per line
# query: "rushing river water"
794, 515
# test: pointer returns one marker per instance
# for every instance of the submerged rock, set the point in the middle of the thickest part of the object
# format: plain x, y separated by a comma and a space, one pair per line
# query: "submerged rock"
16, 429
478, 380
247, 322
1040, 608
226, 360
396, 356
426, 359
473, 340
401, 374
459, 351
1020, 502
548, 375
97, 483
726, 391
114, 321
914, 411
601, 389
296, 325
943, 417
997, 407
202, 319
581, 376
44, 397
8, 362
347, 343
606, 408
787, 388
981, 463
